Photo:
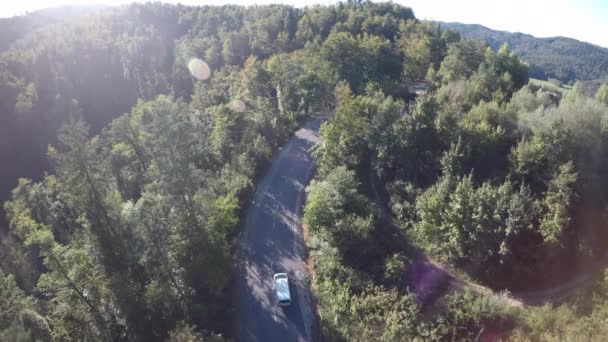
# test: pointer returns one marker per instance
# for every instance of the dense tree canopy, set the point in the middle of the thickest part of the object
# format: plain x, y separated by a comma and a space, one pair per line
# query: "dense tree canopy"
487, 174
132, 138
126, 230
562, 59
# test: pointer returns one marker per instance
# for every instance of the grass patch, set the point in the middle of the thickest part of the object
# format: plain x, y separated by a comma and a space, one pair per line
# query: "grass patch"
550, 86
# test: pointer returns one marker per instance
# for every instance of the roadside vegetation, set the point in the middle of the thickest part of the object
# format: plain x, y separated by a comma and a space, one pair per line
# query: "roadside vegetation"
484, 173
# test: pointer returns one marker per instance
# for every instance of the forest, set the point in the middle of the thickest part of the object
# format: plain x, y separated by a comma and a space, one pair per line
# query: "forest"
131, 140
493, 177
563, 59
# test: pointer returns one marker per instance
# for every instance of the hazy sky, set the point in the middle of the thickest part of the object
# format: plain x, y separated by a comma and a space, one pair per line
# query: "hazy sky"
585, 20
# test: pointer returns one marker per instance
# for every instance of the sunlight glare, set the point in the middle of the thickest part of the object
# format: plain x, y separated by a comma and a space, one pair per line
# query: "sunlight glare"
238, 106
199, 69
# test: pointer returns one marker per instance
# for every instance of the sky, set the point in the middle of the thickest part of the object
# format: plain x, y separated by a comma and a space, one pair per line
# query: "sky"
585, 20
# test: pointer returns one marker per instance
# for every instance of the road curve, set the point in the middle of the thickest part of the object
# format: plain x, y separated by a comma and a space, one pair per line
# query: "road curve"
272, 242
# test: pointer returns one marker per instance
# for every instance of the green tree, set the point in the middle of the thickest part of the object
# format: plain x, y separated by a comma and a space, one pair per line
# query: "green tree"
344, 136
462, 59
422, 47
575, 92
235, 48
337, 211
556, 204
83, 173
72, 277
345, 59
12, 300
418, 143
602, 94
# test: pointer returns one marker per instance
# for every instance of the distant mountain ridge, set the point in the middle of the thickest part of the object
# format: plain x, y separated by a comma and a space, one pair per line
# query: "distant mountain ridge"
14, 28
562, 58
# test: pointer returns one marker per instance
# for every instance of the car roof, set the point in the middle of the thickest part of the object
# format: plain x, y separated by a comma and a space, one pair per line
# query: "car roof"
282, 286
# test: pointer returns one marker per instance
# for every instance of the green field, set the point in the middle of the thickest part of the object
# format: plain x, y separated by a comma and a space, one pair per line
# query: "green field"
549, 86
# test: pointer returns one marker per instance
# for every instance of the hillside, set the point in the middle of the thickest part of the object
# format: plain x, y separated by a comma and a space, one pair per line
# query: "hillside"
17, 27
134, 141
565, 59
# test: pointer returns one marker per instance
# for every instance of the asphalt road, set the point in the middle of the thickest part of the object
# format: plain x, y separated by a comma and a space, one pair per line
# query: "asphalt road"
272, 242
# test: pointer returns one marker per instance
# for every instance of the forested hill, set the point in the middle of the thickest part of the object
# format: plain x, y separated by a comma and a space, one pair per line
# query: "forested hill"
565, 59
145, 127
17, 27
98, 65
159, 118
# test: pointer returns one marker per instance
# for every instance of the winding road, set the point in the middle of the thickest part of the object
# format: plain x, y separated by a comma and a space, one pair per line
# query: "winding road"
272, 242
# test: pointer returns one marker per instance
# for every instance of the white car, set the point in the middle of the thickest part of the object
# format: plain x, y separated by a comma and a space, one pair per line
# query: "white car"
281, 289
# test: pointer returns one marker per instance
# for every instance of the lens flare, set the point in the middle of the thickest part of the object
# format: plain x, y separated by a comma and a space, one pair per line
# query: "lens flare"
238, 106
199, 69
